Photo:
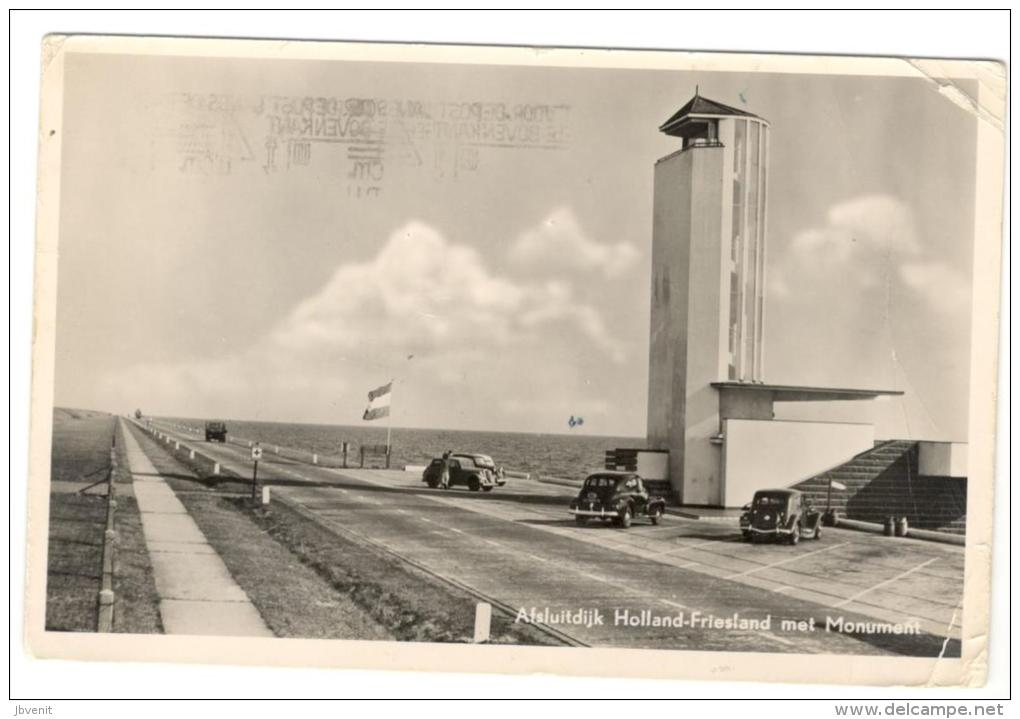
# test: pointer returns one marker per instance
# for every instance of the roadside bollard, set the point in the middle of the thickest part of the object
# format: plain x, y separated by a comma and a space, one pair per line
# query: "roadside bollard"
177, 445
902, 528
191, 454
483, 622
265, 495
216, 468
315, 459
890, 526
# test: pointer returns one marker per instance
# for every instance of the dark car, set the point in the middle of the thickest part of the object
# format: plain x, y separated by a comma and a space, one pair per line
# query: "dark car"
215, 432
616, 497
474, 471
781, 514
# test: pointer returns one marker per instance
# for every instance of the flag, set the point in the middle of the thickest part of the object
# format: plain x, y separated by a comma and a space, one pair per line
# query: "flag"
380, 391
378, 403
376, 413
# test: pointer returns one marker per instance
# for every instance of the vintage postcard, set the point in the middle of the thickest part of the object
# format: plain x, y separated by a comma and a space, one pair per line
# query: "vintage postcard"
586, 362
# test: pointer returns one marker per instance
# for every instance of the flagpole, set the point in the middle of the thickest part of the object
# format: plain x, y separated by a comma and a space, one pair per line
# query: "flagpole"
389, 421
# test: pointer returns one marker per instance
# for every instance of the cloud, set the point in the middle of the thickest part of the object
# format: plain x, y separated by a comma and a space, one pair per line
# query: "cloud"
941, 286
476, 337
559, 244
869, 244
424, 294
855, 300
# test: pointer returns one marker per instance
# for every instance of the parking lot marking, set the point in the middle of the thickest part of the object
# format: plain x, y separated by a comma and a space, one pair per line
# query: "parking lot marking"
785, 561
887, 581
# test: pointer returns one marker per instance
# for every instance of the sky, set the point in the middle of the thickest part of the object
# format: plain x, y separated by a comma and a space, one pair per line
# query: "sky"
271, 240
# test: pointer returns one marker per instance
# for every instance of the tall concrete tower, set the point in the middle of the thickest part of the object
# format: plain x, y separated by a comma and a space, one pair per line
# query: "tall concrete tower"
708, 276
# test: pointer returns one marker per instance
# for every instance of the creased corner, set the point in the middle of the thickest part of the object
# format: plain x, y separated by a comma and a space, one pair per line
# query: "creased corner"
990, 76
52, 46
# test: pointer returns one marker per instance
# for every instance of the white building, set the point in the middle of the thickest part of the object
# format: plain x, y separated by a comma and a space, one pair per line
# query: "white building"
708, 403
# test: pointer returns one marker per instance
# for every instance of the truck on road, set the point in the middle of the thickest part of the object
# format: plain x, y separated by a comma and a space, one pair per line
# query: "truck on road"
215, 431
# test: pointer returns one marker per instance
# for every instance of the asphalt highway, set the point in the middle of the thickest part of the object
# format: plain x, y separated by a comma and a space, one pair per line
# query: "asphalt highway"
686, 584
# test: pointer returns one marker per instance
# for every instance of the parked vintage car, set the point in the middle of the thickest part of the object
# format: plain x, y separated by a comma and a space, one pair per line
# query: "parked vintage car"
616, 497
780, 514
474, 471
215, 432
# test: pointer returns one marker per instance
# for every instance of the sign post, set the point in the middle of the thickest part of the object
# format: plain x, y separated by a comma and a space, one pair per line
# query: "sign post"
256, 455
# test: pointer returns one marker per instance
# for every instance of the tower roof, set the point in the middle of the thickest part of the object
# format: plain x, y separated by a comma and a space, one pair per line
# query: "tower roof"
698, 108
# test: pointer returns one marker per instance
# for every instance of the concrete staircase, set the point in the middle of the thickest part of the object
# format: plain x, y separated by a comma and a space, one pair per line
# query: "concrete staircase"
883, 481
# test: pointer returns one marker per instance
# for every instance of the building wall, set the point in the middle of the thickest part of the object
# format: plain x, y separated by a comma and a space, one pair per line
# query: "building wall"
668, 336
942, 459
761, 454
707, 329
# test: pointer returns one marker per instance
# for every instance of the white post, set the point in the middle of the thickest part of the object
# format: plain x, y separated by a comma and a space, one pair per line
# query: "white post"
265, 495
191, 454
216, 468
483, 622
315, 459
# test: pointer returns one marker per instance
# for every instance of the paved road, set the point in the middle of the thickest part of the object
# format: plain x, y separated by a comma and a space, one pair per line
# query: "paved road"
519, 546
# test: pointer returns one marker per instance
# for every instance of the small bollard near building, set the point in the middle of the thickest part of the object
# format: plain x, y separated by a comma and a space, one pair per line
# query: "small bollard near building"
216, 468
902, 527
265, 495
889, 529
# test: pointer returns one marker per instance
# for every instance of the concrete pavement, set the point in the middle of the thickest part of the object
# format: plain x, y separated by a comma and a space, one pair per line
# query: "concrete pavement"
518, 545
197, 593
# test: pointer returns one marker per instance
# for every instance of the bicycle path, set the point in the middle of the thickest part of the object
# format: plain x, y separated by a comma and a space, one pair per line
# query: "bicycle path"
197, 594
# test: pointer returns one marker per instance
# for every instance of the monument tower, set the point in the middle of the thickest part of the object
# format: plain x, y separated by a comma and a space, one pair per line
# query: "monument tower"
708, 264
708, 404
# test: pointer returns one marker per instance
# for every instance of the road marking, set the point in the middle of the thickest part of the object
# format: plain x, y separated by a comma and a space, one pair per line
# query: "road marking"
454, 529
426, 519
785, 561
782, 589
541, 559
672, 604
687, 547
493, 543
887, 581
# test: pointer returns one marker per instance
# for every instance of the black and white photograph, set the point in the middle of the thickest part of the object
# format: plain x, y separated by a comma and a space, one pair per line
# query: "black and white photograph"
491, 359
